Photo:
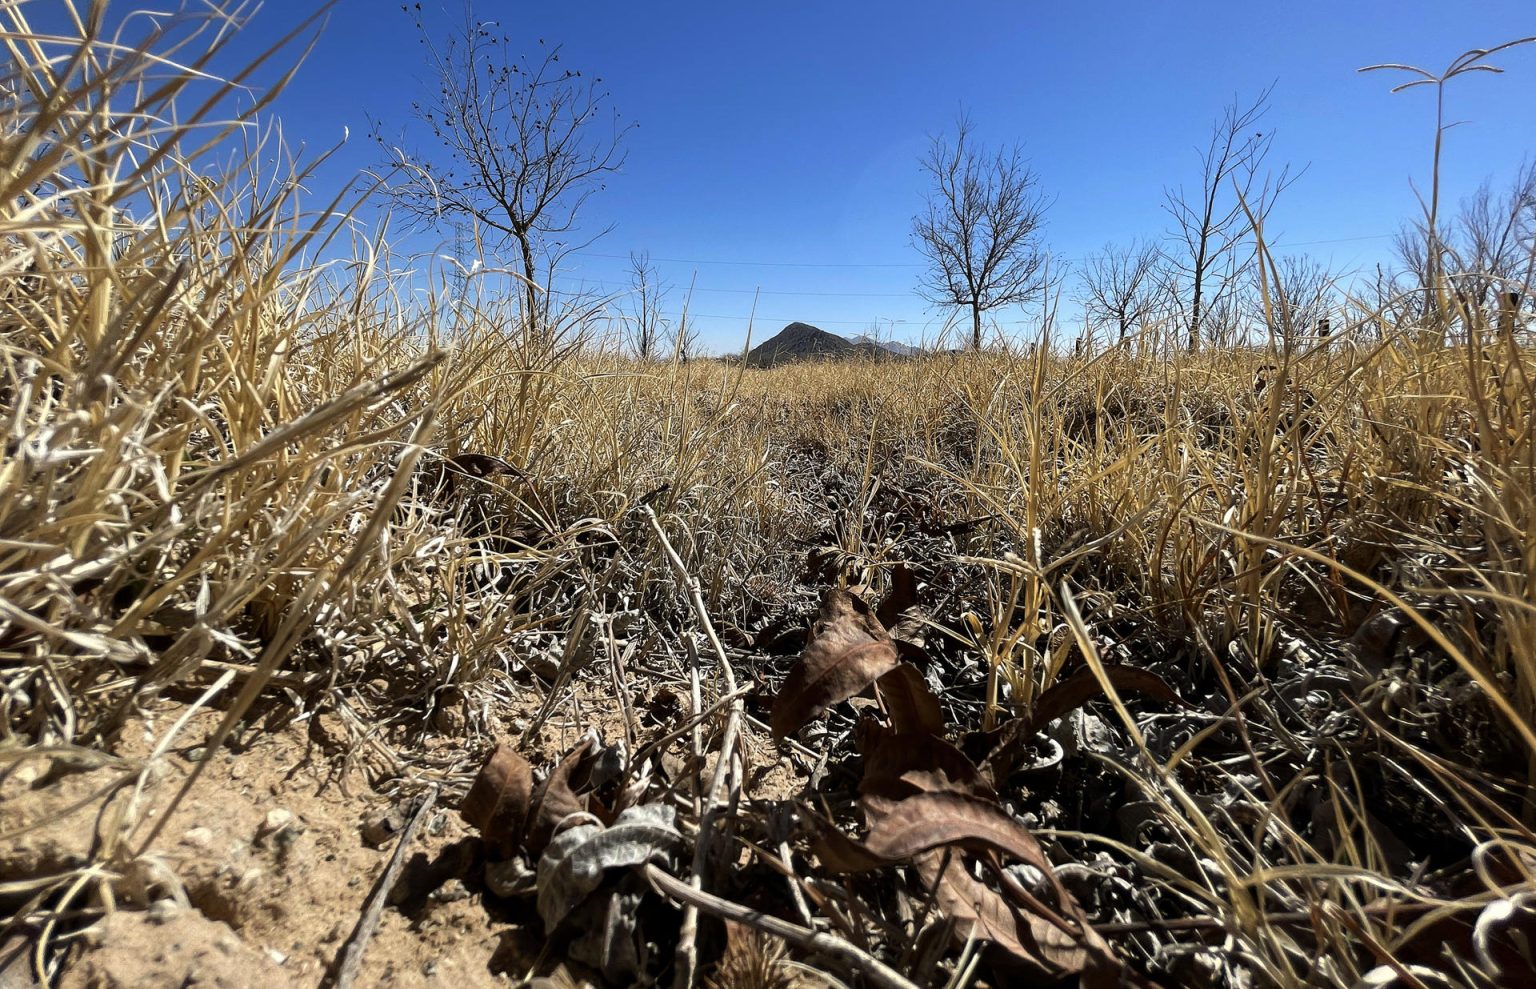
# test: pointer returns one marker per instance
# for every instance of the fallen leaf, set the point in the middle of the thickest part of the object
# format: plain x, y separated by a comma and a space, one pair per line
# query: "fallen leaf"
902, 829
1063, 698
903, 595
587, 886
1083, 686
838, 852
847, 651
1032, 942
556, 798
898, 764
498, 802
912, 708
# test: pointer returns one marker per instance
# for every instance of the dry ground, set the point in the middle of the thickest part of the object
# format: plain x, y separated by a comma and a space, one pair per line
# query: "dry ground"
1134, 668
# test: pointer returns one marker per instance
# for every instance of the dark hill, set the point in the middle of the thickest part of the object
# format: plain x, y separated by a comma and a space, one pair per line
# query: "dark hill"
797, 342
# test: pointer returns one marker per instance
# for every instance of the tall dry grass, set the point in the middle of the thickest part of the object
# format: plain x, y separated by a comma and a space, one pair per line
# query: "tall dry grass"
227, 463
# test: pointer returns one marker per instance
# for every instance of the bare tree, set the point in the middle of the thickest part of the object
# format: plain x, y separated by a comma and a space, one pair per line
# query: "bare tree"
644, 324
1302, 298
1119, 286
1211, 221
522, 145
1494, 240
1485, 250
685, 339
980, 229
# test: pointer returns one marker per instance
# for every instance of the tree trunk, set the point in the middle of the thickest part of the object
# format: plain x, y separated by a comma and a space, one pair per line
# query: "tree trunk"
975, 327
1194, 319
531, 286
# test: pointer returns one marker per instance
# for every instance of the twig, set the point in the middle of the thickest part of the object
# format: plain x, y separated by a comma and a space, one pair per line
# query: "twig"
351, 957
853, 958
1288, 918
809, 753
687, 945
650, 748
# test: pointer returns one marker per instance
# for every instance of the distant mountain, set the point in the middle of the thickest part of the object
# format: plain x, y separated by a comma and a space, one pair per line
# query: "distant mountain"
797, 342
891, 346
802, 341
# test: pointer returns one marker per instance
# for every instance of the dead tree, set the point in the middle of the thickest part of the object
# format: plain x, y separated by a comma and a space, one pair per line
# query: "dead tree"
1301, 299
521, 144
980, 229
1119, 286
644, 324
1210, 221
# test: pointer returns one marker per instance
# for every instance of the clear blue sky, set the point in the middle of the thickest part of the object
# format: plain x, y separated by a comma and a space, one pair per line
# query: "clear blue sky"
790, 132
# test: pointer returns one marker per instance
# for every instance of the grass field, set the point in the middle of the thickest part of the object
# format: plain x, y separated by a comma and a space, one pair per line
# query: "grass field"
241, 482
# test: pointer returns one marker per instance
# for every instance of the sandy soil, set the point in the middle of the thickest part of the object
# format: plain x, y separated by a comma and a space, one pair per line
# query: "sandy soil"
273, 863
261, 874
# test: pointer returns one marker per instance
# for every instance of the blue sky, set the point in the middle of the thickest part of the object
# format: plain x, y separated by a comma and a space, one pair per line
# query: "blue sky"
785, 137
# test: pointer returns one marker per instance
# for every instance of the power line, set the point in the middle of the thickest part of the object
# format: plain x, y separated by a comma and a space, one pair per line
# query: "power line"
874, 264
753, 264
610, 286
787, 319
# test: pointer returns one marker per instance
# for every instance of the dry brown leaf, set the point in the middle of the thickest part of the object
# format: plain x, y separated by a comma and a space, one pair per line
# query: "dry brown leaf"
556, 798
824, 678
911, 705
847, 651
1032, 942
838, 852
1083, 686
902, 829
898, 764
1064, 698
498, 802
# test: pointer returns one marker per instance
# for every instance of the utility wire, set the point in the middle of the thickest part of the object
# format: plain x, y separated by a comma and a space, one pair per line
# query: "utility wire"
1281, 244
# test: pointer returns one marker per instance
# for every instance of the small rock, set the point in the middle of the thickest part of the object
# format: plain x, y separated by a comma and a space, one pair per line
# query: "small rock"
27, 773
510, 878
201, 838
276, 820
379, 829
277, 956
162, 911
450, 892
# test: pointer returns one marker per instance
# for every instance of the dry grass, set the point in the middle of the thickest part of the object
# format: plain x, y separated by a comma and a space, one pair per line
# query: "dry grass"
223, 459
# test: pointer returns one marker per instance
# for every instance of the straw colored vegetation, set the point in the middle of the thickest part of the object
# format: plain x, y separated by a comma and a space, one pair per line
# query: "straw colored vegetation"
240, 481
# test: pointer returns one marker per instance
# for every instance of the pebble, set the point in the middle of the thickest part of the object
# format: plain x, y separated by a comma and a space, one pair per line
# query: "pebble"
276, 820
161, 911
378, 830
198, 838
450, 892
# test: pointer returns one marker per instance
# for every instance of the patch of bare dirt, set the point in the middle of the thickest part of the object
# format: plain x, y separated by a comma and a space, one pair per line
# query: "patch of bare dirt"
274, 862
